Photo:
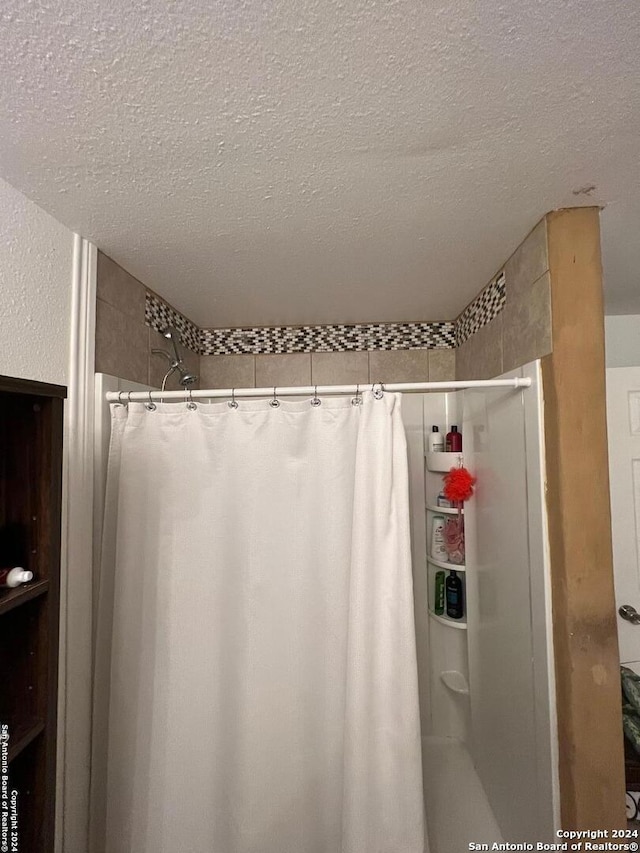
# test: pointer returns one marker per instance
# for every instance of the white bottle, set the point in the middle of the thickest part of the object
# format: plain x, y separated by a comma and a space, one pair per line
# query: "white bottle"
14, 577
438, 551
435, 440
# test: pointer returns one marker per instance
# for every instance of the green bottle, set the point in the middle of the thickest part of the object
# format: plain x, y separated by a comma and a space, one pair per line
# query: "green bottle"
439, 598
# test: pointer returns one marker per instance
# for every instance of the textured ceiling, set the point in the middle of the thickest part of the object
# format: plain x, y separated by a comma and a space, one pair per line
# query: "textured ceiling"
324, 160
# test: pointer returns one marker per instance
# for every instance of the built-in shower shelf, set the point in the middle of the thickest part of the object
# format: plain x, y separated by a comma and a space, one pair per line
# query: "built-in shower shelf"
444, 565
445, 510
451, 623
455, 681
441, 461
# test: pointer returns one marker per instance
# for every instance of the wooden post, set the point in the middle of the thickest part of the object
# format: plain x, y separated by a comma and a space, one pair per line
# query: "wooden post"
584, 618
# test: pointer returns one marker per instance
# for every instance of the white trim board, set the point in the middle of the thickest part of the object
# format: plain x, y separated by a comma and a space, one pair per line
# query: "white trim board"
74, 708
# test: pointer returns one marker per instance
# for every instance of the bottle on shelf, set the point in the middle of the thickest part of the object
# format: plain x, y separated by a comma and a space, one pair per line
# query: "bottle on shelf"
454, 595
14, 577
442, 501
453, 537
438, 551
453, 443
435, 440
439, 594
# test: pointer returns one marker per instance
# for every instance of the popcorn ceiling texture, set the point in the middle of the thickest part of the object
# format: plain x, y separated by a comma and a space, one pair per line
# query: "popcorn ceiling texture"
322, 161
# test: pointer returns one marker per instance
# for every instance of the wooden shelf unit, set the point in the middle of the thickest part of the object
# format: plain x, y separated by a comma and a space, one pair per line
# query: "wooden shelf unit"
31, 422
10, 598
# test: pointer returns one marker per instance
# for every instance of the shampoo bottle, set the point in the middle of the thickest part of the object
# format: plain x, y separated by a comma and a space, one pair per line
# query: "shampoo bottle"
454, 440
455, 604
14, 577
435, 440
438, 551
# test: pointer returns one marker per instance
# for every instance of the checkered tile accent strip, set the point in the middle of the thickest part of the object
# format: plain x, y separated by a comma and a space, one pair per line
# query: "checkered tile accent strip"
339, 338
487, 305
159, 315
289, 339
358, 337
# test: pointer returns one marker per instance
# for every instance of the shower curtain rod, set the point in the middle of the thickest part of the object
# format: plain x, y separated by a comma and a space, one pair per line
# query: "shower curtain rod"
313, 390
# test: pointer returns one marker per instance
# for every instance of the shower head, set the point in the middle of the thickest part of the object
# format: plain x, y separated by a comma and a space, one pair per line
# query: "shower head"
175, 361
186, 378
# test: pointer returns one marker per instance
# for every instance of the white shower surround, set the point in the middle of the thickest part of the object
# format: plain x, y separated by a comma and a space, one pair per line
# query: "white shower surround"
495, 749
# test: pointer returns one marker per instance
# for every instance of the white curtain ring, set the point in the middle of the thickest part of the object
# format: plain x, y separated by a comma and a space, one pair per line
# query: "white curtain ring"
378, 393
315, 400
357, 400
150, 406
275, 402
191, 405
232, 402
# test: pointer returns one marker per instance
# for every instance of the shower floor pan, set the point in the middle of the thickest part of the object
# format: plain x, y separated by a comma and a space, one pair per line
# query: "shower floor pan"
456, 806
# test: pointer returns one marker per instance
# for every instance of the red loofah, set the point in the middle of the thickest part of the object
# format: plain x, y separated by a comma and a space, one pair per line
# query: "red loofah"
458, 484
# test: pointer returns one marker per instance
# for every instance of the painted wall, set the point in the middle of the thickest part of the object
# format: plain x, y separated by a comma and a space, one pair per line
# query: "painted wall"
622, 340
35, 289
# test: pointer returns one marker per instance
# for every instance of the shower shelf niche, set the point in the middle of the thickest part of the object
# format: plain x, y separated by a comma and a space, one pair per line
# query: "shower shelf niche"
445, 510
456, 567
442, 461
451, 623
433, 566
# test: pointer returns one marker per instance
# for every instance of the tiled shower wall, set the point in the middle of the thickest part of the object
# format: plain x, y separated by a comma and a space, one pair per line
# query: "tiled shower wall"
123, 340
326, 368
521, 331
508, 324
124, 345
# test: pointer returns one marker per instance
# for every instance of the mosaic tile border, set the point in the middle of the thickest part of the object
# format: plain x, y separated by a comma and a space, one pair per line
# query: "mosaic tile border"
484, 308
267, 340
356, 337
159, 314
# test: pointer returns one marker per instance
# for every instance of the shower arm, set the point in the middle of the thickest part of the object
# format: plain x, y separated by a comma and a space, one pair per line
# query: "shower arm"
173, 362
176, 362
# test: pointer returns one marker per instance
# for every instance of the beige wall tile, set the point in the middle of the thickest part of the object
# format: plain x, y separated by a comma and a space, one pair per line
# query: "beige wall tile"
227, 371
528, 262
526, 324
119, 289
442, 364
339, 368
480, 357
522, 331
293, 369
122, 344
399, 365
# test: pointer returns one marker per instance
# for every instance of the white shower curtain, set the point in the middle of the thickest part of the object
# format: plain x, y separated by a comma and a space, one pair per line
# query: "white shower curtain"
256, 687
